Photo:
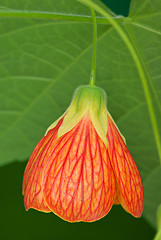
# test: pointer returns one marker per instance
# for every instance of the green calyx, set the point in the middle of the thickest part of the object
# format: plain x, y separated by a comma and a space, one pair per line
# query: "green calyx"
87, 99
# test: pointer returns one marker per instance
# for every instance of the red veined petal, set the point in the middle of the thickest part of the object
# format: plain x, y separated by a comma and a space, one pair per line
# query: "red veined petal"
129, 190
79, 183
32, 181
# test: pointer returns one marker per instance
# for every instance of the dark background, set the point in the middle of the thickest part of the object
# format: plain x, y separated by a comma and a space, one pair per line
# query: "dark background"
16, 223
120, 7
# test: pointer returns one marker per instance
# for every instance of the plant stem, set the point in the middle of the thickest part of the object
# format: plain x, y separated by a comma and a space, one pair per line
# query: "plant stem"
54, 16
93, 71
139, 68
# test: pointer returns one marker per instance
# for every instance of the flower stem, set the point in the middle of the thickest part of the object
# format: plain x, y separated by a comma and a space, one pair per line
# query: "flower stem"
93, 71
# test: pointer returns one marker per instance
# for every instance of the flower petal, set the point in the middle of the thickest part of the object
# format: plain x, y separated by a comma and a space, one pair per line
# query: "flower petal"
79, 183
32, 180
129, 185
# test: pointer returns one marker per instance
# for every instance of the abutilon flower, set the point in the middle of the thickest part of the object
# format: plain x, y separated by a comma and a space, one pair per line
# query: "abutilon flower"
81, 167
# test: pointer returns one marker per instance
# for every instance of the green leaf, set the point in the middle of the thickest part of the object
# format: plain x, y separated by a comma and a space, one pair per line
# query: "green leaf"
42, 61
41, 64
145, 8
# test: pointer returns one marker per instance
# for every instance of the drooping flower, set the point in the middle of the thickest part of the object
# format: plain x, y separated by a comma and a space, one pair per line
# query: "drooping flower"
81, 167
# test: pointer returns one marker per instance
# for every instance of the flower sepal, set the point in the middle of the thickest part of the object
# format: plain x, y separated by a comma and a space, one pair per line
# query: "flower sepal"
86, 100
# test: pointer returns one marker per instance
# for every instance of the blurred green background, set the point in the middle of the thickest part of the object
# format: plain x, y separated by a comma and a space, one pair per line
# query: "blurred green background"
16, 223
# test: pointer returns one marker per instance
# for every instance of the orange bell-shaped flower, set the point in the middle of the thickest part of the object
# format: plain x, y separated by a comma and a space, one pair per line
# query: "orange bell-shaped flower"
81, 167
